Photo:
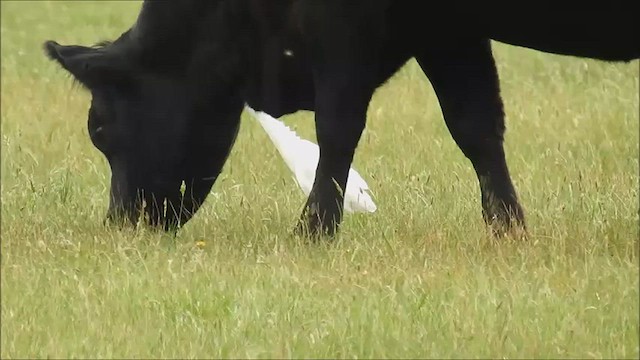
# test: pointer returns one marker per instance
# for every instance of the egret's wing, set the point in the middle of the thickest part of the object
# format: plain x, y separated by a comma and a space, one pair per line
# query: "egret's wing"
291, 147
306, 162
357, 180
356, 198
302, 156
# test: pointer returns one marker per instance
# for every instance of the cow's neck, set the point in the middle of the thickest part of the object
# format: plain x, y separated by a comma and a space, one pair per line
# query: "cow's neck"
202, 40
165, 32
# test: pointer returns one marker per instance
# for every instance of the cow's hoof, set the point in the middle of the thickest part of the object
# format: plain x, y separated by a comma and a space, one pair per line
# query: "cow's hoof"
507, 222
314, 229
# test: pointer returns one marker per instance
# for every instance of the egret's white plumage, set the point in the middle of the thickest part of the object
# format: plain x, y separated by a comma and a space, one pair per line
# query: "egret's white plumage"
301, 156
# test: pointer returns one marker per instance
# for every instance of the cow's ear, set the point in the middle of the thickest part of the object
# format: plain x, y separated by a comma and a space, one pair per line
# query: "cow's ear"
93, 67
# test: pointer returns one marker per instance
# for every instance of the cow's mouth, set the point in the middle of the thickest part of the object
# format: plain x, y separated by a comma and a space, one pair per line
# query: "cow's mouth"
166, 210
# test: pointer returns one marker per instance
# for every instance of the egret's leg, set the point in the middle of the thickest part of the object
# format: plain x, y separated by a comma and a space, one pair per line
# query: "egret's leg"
465, 79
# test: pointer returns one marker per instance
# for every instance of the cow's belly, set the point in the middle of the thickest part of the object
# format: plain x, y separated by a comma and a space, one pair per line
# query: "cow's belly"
594, 29
608, 34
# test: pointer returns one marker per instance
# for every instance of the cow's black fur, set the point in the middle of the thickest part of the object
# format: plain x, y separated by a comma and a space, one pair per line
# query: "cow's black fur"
167, 95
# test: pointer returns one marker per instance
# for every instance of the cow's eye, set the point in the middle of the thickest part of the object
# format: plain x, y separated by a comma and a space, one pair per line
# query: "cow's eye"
97, 131
99, 138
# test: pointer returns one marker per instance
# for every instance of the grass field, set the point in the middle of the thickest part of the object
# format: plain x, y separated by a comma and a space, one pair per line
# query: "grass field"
419, 278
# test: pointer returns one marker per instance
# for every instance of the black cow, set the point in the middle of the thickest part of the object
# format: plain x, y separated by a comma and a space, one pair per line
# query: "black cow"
167, 95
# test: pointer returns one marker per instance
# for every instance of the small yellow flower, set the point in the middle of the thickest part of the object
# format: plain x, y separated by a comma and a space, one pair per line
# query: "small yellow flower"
200, 244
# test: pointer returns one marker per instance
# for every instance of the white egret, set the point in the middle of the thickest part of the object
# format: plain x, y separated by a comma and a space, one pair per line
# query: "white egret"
302, 156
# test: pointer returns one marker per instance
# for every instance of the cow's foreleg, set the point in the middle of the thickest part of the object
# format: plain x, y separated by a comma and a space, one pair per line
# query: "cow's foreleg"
344, 40
341, 105
464, 77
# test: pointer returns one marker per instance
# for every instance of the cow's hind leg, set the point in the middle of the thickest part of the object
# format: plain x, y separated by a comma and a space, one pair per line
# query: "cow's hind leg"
464, 77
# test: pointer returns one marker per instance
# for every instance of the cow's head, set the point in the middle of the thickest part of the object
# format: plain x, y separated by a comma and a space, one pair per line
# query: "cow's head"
167, 132
165, 150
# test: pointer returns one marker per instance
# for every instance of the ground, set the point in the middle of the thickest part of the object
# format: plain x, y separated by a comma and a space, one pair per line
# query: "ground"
419, 278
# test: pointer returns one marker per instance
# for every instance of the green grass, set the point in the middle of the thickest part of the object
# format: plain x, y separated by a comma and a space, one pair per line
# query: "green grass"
419, 278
